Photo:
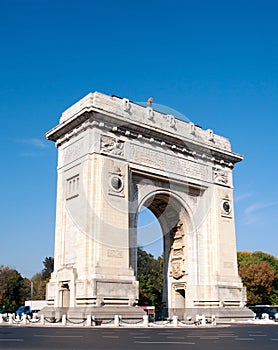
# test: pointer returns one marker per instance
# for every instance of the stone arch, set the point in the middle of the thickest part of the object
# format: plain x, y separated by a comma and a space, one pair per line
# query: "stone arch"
114, 156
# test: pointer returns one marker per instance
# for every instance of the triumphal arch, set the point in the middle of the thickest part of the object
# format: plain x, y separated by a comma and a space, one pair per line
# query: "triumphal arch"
115, 156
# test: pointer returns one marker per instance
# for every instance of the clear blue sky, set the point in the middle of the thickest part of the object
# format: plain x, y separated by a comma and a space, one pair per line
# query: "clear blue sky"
215, 61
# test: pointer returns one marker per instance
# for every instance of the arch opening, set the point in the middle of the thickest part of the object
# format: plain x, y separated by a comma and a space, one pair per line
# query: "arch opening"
165, 230
149, 232
150, 263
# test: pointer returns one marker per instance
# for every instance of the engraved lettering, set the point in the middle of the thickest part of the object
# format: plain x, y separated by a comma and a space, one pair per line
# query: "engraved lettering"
114, 253
164, 161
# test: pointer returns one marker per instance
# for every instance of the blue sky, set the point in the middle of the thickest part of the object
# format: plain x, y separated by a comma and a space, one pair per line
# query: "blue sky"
214, 61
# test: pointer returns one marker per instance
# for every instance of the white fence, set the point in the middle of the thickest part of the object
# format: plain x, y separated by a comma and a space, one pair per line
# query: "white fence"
91, 321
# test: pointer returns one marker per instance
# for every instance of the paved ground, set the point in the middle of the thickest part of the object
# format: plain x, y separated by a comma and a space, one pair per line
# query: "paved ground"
239, 337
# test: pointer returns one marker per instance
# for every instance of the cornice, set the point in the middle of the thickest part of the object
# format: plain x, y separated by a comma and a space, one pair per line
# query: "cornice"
194, 141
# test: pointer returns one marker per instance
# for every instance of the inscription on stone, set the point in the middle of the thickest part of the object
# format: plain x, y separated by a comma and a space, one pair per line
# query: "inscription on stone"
114, 253
228, 264
164, 161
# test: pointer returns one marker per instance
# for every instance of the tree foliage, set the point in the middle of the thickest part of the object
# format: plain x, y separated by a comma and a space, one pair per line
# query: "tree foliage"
150, 277
48, 268
40, 279
259, 273
12, 288
38, 287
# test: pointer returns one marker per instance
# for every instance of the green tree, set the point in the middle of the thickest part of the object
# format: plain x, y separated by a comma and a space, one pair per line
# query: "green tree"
40, 279
25, 290
48, 268
12, 288
150, 277
39, 286
262, 282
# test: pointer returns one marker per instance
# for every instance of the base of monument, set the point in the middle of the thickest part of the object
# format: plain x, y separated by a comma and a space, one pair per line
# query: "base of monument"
221, 314
98, 312
132, 313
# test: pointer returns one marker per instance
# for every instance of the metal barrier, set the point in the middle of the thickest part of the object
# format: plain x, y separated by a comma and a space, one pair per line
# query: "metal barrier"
78, 322
130, 322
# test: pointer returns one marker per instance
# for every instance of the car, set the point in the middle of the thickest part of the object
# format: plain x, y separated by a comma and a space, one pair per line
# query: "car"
24, 310
265, 311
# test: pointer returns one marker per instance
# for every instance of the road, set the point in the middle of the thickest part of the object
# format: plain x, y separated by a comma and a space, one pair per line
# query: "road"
239, 337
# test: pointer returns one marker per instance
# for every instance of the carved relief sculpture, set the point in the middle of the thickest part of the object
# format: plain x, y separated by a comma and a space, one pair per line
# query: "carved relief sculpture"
220, 175
112, 145
177, 269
